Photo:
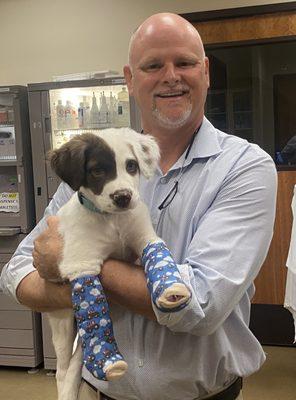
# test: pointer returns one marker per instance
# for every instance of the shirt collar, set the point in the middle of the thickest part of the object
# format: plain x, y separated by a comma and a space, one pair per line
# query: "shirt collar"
205, 145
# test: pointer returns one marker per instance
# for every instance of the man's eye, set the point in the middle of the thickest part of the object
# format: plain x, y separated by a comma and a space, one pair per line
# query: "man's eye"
151, 67
98, 173
186, 64
132, 167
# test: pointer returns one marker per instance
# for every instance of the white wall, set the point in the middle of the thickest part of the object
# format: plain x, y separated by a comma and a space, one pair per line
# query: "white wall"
41, 38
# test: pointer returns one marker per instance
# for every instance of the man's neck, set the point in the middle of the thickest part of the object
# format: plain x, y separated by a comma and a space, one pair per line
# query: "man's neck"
172, 143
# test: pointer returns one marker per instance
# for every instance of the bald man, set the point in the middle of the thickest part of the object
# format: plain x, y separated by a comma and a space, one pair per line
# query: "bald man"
213, 202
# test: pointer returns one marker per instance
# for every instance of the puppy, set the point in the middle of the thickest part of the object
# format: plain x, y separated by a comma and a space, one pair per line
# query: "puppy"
103, 219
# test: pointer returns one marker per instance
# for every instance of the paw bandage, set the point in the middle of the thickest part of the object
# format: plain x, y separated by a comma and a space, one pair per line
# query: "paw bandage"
168, 291
100, 352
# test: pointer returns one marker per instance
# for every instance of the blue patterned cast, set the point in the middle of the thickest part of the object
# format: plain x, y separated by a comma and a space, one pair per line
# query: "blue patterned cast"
100, 352
168, 291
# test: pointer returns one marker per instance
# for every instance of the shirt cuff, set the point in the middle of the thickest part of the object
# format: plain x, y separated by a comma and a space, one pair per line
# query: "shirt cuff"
13, 273
181, 321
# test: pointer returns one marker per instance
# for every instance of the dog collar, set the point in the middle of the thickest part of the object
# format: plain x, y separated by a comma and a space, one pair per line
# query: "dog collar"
88, 204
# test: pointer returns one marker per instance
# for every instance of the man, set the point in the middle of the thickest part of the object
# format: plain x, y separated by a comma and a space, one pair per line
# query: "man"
213, 202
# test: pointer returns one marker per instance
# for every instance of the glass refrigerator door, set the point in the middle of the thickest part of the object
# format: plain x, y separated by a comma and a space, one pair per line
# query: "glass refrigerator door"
7, 131
79, 110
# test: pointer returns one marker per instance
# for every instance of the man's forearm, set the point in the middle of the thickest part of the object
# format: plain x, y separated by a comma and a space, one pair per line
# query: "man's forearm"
43, 296
125, 284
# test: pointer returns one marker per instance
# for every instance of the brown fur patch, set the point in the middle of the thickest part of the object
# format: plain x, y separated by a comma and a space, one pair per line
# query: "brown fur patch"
75, 161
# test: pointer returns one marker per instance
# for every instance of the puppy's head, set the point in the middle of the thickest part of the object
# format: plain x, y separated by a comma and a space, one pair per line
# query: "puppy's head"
105, 166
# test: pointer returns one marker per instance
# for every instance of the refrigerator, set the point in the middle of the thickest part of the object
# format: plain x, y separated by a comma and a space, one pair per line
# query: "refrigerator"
20, 328
59, 111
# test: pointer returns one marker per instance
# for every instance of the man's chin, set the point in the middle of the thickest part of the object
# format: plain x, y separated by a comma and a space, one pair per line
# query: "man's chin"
172, 122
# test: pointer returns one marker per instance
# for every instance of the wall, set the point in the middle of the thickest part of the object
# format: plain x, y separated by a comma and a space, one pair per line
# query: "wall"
40, 38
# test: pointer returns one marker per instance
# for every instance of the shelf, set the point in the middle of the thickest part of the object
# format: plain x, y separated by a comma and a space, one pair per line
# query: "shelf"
10, 163
6, 125
103, 126
76, 129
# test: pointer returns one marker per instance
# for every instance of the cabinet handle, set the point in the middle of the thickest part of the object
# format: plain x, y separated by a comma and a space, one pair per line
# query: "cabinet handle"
9, 231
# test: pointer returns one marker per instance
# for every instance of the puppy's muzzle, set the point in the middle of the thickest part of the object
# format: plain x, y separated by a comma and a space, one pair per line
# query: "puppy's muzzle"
121, 198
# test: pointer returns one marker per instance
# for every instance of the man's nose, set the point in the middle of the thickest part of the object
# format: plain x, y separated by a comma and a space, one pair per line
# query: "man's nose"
171, 74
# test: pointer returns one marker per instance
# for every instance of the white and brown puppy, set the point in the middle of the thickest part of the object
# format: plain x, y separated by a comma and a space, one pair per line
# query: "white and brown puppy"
104, 168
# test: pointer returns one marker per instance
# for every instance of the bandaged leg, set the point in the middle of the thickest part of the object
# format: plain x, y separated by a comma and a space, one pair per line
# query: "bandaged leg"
168, 291
100, 352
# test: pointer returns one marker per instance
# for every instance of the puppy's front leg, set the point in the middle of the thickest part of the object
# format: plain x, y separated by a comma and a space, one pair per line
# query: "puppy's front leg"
168, 291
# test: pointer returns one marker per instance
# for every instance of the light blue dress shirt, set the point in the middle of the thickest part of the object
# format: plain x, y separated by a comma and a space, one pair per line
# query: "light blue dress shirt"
218, 228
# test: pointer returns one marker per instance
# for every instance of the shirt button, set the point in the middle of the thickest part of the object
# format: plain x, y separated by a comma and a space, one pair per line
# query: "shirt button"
163, 180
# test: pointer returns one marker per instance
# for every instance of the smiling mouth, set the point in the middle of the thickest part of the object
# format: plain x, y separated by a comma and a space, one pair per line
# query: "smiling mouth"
172, 94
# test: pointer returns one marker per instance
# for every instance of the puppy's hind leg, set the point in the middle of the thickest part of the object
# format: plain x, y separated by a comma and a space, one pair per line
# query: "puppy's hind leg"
73, 376
62, 326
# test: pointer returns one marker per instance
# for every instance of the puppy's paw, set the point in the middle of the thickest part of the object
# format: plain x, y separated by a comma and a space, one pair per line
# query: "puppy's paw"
116, 370
174, 296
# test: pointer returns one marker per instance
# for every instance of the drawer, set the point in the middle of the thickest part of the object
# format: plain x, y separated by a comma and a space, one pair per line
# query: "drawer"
16, 352
20, 339
8, 303
16, 320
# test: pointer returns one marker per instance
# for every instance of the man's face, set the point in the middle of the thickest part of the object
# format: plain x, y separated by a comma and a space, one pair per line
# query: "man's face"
169, 79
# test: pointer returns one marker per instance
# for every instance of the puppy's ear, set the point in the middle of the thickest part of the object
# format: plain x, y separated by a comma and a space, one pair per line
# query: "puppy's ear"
68, 162
146, 150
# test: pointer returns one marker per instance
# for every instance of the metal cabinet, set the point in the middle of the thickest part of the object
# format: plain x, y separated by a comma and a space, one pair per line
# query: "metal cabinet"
20, 328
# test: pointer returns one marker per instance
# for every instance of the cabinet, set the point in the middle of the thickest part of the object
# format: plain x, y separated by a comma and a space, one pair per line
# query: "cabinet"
231, 111
217, 109
270, 321
271, 281
20, 328
242, 114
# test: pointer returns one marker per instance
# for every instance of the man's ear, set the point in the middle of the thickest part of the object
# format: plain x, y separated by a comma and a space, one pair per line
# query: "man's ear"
68, 162
207, 70
128, 78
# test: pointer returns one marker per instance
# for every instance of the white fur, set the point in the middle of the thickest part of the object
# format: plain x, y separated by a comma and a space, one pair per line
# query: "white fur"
90, 238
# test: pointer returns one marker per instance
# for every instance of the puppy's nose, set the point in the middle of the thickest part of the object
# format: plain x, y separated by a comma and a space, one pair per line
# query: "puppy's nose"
121, 198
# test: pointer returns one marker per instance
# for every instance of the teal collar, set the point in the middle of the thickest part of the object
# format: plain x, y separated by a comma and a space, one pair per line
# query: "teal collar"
88, 204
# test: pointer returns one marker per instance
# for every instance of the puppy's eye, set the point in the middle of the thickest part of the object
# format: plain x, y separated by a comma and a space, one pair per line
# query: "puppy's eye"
132, 167
98, 173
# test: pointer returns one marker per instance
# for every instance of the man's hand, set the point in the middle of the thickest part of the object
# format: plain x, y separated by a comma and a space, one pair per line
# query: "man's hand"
47, 251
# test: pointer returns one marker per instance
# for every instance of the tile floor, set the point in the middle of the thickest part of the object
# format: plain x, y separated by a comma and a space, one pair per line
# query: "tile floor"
275, 381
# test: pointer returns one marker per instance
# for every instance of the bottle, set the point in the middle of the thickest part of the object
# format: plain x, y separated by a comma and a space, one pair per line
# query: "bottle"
60, 115
86, 112
122, 116
112, 108
104, 111
10, 115
81, 115
74, 118
94, 113
69, 122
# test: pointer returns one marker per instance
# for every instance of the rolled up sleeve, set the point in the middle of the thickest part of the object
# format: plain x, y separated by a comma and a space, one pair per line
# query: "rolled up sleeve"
228, 247
21, 263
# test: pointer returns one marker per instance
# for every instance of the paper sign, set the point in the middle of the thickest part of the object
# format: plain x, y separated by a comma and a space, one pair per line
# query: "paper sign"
9, 202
